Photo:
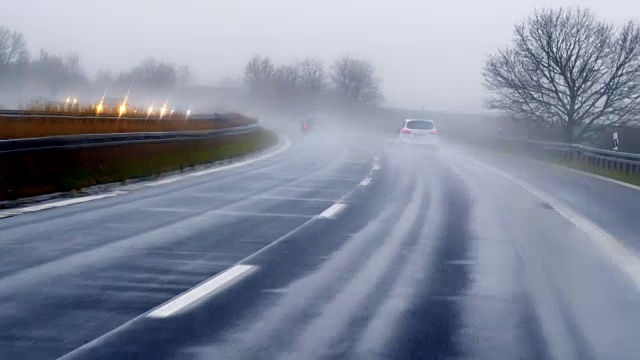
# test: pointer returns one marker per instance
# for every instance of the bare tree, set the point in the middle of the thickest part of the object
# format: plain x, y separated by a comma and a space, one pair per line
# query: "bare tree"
355, 80
105, 78
312, 76
49, 71
73, 70
259, 73
286, 79
185, 76
13, 48
151, 74
568, 72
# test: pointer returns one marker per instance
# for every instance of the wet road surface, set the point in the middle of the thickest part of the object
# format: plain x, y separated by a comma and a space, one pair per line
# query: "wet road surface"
332, 250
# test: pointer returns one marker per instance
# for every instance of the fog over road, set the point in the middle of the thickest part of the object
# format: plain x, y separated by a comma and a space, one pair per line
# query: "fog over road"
333, 249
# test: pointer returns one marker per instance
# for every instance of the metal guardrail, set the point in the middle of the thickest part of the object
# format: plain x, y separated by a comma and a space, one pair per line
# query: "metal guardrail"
628, 163
94, 140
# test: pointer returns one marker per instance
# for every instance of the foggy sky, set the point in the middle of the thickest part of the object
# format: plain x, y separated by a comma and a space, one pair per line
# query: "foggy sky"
429, 52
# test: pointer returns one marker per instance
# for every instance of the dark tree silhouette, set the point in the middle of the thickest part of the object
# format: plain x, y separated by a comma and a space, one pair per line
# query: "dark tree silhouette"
568, 72
355, 80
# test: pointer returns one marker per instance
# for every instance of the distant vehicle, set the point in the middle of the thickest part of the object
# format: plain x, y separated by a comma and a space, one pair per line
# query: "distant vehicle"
307, 125
419, 131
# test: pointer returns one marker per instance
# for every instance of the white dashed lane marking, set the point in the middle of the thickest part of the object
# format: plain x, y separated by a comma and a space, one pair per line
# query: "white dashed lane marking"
201, 291
333, 211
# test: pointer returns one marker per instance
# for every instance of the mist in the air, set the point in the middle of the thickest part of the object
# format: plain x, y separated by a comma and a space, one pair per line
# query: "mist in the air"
426, 57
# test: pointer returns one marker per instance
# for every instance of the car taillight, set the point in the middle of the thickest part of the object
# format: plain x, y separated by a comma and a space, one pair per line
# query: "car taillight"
406, 131
433, 132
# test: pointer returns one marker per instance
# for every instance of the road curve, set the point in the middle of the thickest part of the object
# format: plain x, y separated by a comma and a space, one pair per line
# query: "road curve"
334, 249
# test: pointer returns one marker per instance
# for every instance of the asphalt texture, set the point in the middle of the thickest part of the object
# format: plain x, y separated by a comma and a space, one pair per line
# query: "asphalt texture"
429, 254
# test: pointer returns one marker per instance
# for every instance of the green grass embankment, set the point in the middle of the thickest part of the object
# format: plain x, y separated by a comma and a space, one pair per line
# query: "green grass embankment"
616, 175
593, 169
32, 173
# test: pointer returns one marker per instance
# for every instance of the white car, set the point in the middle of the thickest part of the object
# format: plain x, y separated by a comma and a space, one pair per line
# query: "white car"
419, 131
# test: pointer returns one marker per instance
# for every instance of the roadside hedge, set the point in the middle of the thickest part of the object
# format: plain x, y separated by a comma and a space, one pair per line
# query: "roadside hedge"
38, 172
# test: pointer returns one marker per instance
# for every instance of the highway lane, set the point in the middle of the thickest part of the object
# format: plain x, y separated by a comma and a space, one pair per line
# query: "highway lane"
71, 274
611, 206
454, 254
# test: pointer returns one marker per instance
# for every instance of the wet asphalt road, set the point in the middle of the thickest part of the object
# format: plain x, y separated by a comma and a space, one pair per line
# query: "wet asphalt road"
429, 256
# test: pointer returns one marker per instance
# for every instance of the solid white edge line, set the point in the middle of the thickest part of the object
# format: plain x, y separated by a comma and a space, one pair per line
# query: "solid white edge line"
67, 202
165, 181
576, 171
619, 255
283, 148
207, 288
332, 211
365, 182
586, 173
56, 204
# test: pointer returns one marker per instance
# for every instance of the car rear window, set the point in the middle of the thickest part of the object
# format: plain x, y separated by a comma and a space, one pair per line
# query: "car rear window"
420, 125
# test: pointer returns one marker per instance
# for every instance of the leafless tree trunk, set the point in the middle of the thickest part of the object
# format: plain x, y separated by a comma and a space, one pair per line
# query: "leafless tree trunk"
13, 48
185, 76
259, 73
569, 72
151, 75
355, 80
312, 76
287, 79
105, 78
73, 69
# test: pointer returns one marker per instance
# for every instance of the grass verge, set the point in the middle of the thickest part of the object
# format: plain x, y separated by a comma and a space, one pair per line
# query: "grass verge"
627, 178
612, 174
32, 173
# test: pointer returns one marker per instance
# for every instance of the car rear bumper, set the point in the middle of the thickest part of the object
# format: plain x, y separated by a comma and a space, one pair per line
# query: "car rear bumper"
422, 140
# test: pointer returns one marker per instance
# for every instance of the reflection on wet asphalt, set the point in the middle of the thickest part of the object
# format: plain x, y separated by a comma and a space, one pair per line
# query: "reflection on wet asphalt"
428, 255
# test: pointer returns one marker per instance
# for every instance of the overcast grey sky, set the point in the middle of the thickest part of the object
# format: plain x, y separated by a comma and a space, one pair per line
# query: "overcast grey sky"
429, 53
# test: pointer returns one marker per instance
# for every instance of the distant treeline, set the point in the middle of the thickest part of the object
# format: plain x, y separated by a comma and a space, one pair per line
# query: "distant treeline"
51, 75
347, 81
